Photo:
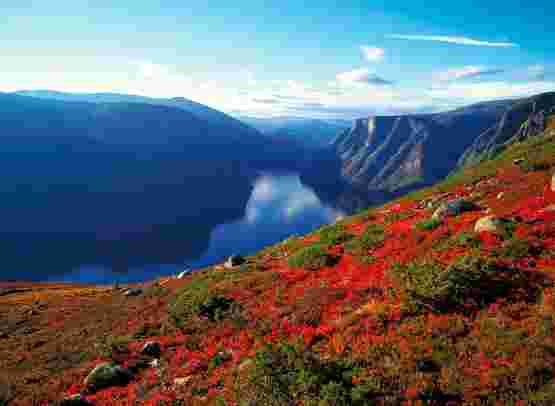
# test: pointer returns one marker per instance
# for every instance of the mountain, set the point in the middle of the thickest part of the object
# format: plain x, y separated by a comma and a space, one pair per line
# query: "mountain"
215, 117
77, 171
524, 118
396, 153
313, 133
443, 297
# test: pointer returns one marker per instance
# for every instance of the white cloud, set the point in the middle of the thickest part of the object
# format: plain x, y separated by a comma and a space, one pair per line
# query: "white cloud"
372, 54
472, 92
151, 70
466, 72
453, 40
363, 75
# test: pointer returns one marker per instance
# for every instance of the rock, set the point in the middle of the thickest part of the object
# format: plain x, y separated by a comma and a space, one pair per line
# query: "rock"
427, 366
245, 364
518, 161
155, 363
490, 224
152, 349
185, 272
107, 374
234, 260
182, 381
553, 183
133, 292
453, 208
500, 195
76, 400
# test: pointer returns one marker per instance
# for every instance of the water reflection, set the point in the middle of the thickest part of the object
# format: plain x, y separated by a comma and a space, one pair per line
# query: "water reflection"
279, 206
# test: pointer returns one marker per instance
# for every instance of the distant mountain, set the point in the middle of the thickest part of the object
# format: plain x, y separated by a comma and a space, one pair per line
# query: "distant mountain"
74, 171
215, 117
396, 153
307, 131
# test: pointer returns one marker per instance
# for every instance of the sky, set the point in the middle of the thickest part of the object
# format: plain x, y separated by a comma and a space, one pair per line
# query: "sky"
323, 59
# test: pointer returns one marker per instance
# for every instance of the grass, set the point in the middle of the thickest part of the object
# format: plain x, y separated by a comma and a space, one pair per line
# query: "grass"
428, 225
372, 237
334, 234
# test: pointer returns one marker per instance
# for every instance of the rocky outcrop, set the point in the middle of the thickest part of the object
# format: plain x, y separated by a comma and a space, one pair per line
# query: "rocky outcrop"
490, 224
453, 208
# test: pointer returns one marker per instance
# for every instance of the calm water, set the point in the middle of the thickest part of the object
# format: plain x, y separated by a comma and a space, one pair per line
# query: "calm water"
279, 206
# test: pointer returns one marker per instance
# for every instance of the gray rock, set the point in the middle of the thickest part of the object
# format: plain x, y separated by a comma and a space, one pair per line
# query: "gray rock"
500, 195
453, 208
76, 400
234, 260
133, 292
152, 349
553, 183
518, 161
184, 273
490, 224
107, 374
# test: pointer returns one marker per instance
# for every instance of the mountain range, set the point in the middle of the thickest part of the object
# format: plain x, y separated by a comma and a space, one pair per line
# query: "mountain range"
399, 153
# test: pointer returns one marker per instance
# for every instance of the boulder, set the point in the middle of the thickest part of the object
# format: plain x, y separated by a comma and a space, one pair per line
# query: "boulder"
133, 292
500, 195
490, 224
453, 208
107, 374
184, 273
152, 349
553, 183
234, 260
76, 400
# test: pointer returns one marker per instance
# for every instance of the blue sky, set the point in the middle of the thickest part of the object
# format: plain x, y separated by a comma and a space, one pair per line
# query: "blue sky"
313, 58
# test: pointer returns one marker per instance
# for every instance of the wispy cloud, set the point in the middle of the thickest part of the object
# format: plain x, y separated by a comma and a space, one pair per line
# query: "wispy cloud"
467, 72
372, 54
453, 40
537, 72
364, 76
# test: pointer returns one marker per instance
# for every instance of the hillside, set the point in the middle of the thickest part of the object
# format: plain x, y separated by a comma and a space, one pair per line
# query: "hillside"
399, 153
405, 302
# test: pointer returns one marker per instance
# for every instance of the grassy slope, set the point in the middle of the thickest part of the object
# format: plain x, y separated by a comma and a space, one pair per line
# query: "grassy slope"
388, 318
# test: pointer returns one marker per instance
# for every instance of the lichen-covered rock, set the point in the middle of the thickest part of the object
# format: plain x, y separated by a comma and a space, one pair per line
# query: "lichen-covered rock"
453, 208
490, 224
107, 374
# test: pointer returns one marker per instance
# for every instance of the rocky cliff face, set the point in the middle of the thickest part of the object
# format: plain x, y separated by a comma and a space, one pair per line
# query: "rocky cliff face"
390, 153
524, 118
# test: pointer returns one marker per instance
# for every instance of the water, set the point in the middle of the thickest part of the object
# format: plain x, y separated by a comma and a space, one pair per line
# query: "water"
279, 206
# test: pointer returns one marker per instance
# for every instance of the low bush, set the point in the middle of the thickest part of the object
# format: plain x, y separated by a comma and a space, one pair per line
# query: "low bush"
372, 237
428, 225
312, 258
334, 234
472, 281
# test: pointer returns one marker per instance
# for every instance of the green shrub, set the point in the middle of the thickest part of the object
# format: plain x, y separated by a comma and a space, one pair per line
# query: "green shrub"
474, 281
334, 234
428, 225
186, 302
114, 346
372, 237
283, 374
313, 258
215, 308
517, 249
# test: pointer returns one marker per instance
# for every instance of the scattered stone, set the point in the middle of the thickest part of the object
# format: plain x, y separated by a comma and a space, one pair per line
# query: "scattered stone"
518, 161
553, 183
245, 364
453, 209
501, 195
233, 261
152, 349
427, 366
155, 363
107, 374
183, 274
133, 292
182, 381
490, 224
75, 400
